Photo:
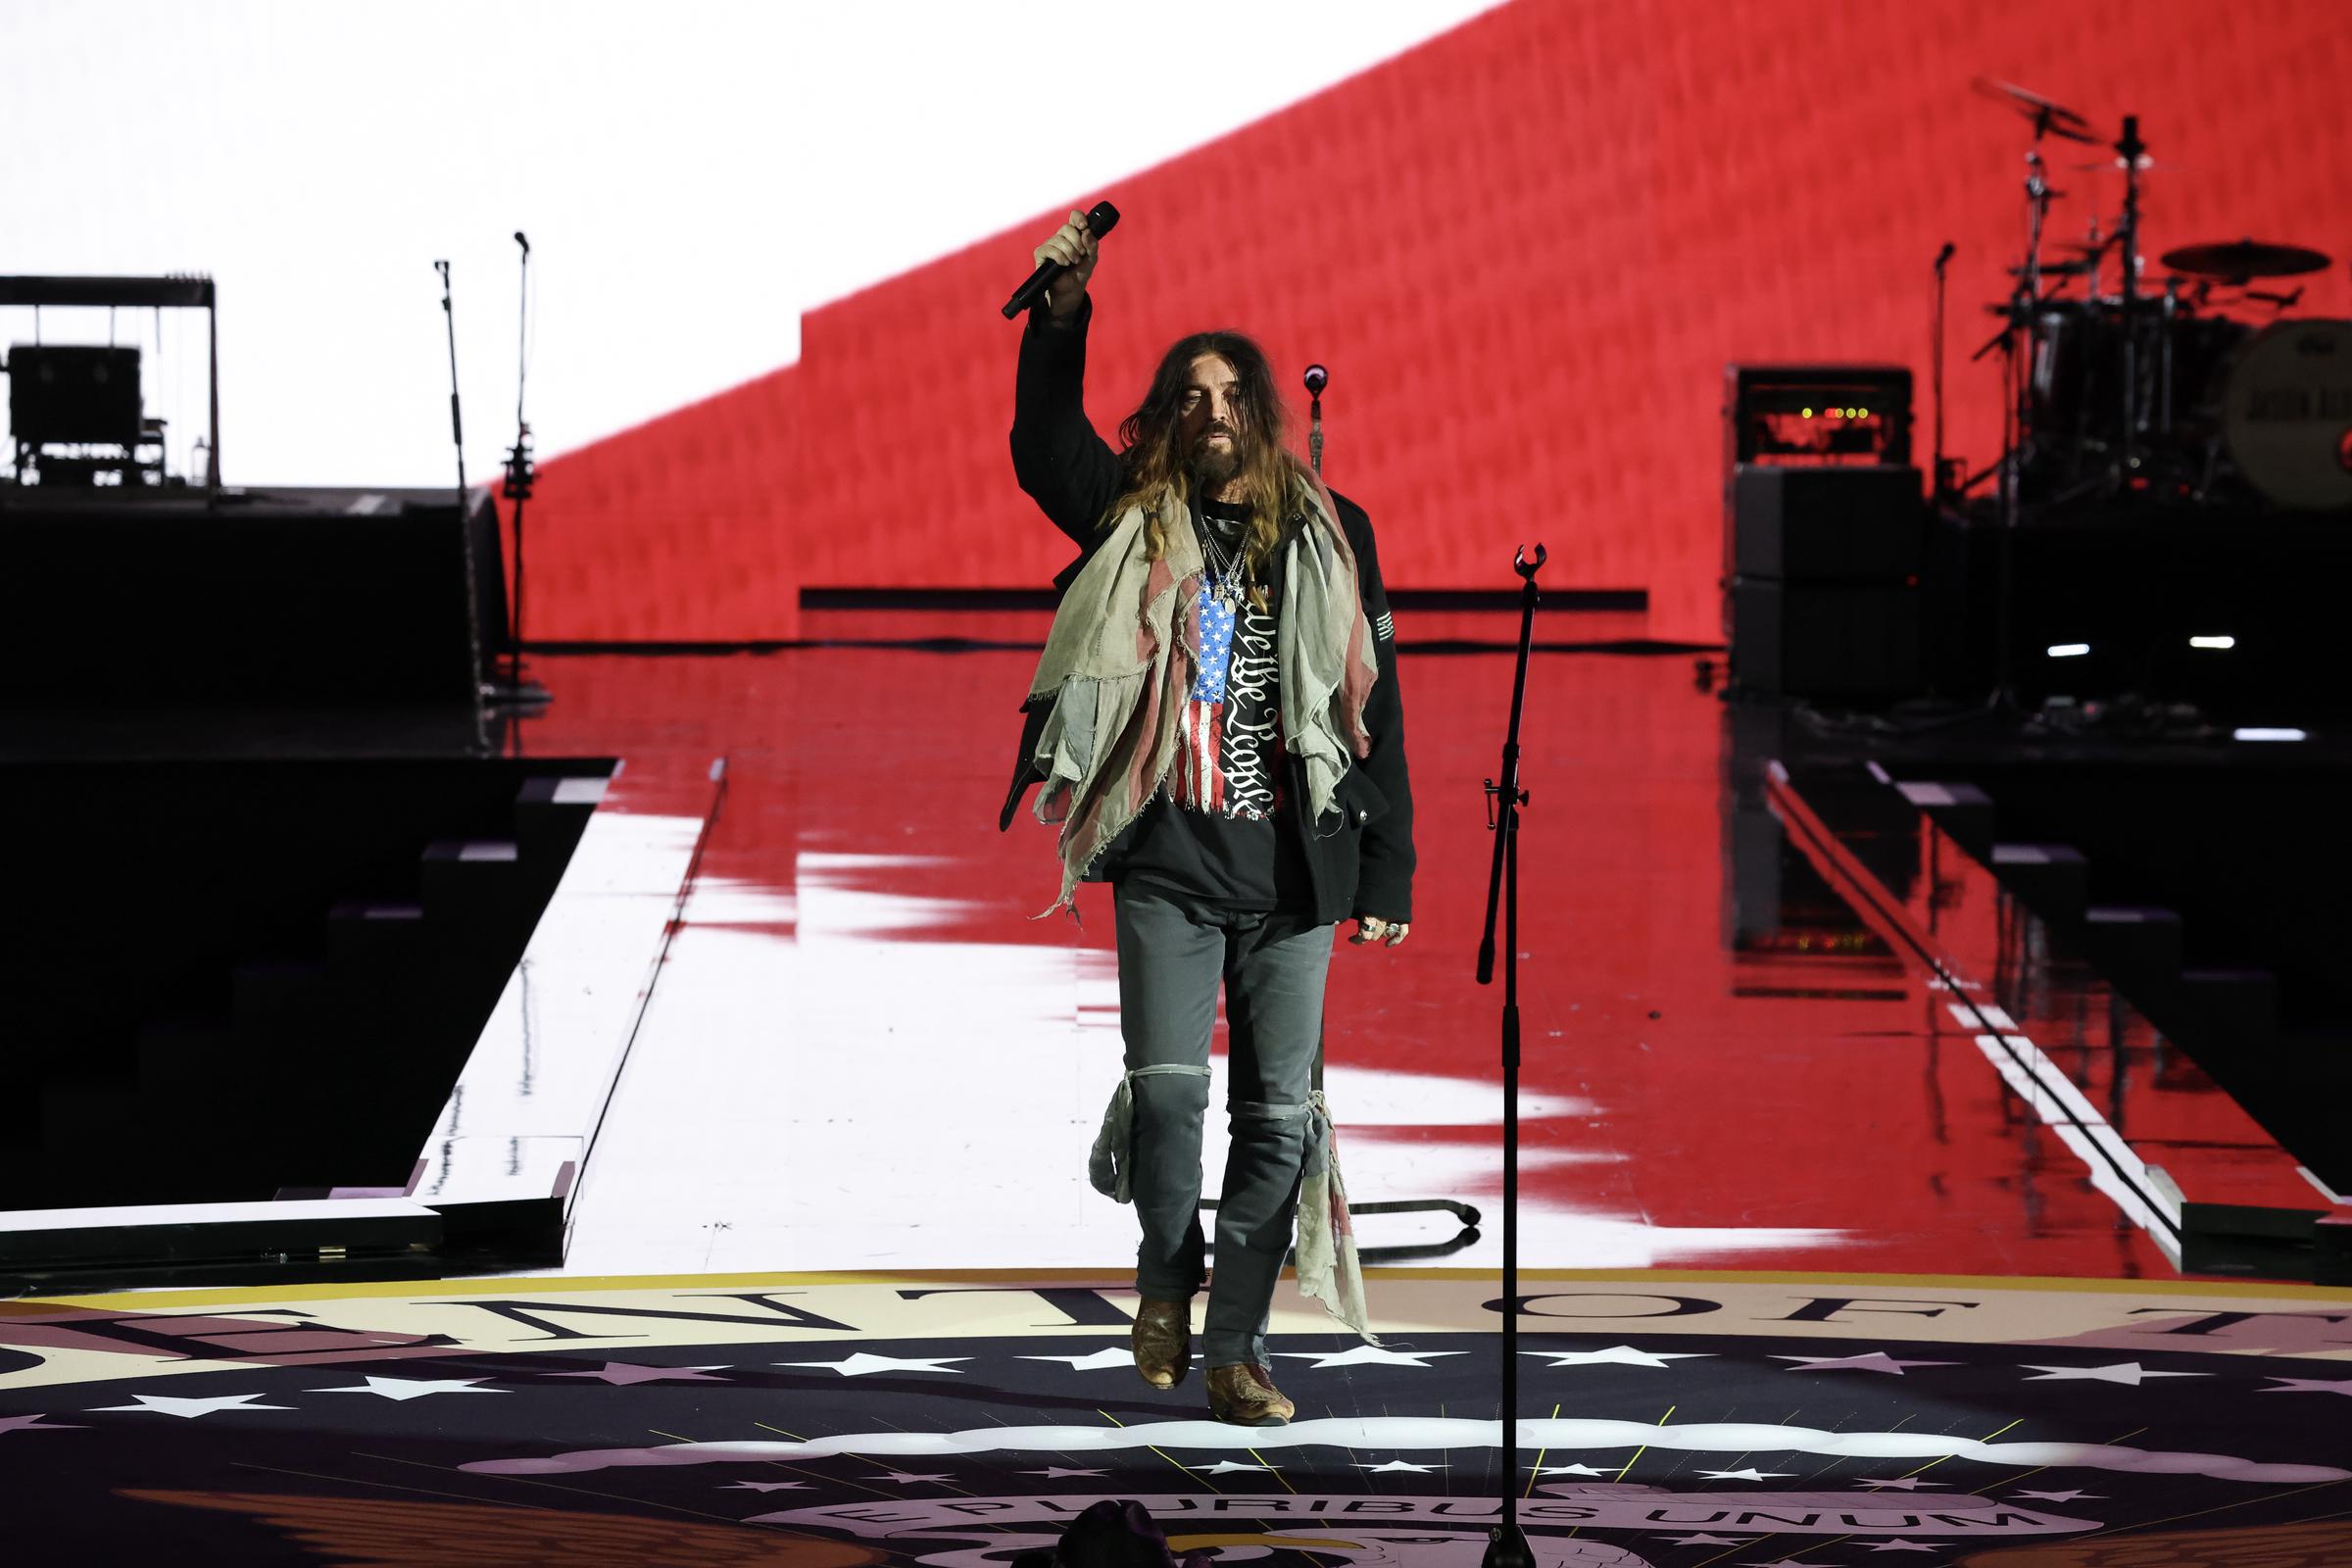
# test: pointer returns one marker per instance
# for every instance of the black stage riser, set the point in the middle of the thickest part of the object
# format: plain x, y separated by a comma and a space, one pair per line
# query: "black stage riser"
286, 598
2137, 584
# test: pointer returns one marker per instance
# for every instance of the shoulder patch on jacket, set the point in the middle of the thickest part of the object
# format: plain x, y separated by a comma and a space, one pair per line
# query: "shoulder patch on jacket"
1384, 627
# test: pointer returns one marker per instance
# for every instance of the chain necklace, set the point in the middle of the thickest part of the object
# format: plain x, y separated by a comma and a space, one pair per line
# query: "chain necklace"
1225, 574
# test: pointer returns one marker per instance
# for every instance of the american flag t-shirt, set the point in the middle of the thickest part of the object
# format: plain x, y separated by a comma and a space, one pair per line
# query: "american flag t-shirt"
1231, 739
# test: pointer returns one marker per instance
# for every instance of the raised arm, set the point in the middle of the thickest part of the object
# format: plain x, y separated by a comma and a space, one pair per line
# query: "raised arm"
1067, 470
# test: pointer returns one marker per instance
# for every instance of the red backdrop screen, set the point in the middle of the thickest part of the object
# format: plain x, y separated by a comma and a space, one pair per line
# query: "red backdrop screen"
1526, 250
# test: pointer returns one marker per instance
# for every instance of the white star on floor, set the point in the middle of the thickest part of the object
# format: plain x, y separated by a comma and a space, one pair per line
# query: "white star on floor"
2062, 1496
1573, 1470
1703, 1539
1902, 1545
2300, 1385
1618, 1355
1056, 1473
412, 1387
1094, 1360
625, 1374
2129, 1373
904, 1479
190, 1409
767, 1486
1875, 1361
1749, 1474
1224, 1467
1400, 1465
862, 1364
1366, 1355
34, 1423
1786, 1562
1897, 1483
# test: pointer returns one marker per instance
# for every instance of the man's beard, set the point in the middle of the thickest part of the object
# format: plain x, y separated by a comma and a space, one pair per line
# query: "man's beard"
1211, 467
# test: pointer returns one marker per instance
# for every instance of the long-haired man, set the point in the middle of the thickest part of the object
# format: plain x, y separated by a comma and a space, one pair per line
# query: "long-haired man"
1219, 729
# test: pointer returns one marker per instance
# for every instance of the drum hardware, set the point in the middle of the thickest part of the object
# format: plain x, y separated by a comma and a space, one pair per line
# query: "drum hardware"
2130, 148
2049, 118
2244, 259
2284, 414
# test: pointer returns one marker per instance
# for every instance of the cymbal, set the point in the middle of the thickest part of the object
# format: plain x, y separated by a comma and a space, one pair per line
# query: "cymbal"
2054, 118
2245, 259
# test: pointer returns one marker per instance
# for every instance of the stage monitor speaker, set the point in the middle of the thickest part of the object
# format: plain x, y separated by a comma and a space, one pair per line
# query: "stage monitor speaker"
1825, 639
317, 598
1862, 523
73, 394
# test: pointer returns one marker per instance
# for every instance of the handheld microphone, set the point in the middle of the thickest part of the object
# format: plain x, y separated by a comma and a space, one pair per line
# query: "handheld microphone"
1317, 378
1101, 219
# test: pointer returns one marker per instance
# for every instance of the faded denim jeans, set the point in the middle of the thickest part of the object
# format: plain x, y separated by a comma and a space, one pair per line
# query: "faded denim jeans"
1272, 968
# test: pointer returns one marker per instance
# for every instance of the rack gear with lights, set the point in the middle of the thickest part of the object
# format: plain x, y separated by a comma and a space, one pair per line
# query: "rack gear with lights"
1823, 530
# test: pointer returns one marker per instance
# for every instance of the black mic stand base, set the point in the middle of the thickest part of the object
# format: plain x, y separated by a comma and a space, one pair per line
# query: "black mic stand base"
1506, 1543
516, 694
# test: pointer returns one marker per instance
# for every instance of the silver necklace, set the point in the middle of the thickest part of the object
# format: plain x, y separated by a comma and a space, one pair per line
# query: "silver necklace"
1225, 574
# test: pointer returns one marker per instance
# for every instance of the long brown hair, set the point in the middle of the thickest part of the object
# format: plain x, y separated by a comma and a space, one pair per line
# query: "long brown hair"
1155, 464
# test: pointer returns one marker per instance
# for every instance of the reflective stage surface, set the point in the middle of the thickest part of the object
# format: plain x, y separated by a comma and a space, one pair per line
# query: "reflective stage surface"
865, 1051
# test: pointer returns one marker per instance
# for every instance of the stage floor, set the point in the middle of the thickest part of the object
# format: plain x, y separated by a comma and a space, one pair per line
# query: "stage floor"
866, 1049
1805, 1282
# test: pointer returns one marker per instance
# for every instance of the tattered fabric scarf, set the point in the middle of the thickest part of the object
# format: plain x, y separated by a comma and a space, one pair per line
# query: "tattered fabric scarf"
1126, 651
1120, 662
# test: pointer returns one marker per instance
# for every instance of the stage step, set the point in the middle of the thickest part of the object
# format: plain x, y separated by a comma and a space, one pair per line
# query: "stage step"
549, 812
1963, 810
2053, 878
2135, 944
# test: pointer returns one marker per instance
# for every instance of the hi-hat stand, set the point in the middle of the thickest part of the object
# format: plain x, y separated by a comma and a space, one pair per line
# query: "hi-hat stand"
1506, 1543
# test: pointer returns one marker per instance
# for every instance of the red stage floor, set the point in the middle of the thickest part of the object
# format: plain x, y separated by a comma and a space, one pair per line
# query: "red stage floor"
863, 1051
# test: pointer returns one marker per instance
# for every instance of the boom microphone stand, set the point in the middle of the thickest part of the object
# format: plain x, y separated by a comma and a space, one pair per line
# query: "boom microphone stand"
473, 606
517, 692
1507, 1545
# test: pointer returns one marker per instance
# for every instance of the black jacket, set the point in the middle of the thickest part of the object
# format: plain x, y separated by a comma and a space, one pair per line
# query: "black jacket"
1361, 858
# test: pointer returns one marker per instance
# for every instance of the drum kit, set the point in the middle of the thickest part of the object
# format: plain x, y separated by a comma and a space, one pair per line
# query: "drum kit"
2197, 385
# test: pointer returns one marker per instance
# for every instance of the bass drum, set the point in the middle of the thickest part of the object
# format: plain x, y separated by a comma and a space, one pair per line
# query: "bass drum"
2286, 413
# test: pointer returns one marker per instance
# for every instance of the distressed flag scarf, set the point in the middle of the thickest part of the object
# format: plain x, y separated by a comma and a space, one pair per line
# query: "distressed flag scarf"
1126, 651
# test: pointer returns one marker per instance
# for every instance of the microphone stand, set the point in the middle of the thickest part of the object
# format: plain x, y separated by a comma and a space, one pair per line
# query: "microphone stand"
517, 692
1506, 1543
1317, 378
1942, 482
473, 608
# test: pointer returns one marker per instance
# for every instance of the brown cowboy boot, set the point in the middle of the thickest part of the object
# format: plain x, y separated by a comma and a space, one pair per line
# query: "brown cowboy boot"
1163, 1342
1245, 1396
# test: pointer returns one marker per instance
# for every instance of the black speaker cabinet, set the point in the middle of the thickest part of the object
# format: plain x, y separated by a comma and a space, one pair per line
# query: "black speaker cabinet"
73, 394
1855, 524
1825, 639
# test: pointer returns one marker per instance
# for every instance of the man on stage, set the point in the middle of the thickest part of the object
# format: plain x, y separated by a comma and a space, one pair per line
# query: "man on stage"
1218, 728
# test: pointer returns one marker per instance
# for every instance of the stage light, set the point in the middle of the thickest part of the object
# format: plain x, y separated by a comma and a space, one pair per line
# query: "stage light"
2267, 735
2213, 642
1864, 413
2069, 650
1808, 413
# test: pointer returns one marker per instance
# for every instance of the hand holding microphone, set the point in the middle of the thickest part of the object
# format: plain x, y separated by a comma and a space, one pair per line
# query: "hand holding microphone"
1064, 263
